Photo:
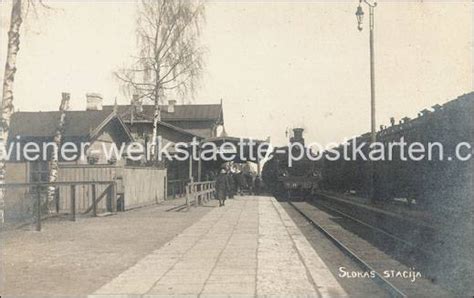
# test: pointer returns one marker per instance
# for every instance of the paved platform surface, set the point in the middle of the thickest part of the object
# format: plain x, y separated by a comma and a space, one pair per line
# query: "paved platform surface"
249, 247
74, 259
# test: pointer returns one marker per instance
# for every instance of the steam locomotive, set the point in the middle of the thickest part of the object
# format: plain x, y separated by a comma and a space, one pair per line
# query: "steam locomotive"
296, 181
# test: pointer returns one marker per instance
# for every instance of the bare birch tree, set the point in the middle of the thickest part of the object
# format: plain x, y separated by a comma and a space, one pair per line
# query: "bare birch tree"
54, 164
170, 55
19, 9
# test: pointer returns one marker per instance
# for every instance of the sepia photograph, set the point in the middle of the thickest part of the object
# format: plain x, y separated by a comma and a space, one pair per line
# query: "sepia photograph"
213, 148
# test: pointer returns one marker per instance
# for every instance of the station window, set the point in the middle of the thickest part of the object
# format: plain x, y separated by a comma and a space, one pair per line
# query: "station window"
39, 171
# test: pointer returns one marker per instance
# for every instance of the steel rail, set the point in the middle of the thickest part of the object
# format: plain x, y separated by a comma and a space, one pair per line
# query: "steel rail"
379, 279
379, 230
388, 234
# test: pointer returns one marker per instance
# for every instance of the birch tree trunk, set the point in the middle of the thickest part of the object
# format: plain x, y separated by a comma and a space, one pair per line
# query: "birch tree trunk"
54, 164
154, 138
156, 119
7, 95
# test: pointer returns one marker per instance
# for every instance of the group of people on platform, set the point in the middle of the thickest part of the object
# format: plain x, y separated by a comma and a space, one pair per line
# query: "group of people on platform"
230, 183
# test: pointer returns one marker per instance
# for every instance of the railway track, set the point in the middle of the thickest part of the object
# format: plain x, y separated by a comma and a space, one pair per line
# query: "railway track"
367, 257
404, 242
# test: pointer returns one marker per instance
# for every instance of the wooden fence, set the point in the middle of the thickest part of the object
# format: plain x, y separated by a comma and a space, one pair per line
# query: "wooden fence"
198, 193
39, 191
69, 173
136, 186
143, 186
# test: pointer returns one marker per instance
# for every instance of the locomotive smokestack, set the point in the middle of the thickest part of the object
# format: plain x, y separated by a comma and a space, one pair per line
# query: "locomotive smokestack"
297, 136
392, 121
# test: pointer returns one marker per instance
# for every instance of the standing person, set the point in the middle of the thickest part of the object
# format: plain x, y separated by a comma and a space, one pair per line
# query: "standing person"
238, 185
230, 185
258, 185
242, 183
221, 187
250, 183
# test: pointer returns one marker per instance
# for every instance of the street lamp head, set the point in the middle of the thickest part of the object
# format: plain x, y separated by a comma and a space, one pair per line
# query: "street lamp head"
360, 17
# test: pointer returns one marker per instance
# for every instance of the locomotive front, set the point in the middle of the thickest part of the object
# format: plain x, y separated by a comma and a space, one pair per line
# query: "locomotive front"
297, 180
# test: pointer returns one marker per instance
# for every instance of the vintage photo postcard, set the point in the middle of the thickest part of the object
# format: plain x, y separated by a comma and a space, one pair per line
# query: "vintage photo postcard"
213, 148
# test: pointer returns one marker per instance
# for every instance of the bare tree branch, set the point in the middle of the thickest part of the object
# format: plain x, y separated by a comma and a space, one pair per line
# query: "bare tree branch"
169, 58
169, 49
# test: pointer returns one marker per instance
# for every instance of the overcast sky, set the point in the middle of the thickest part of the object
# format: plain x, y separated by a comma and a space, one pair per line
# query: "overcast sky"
274, 64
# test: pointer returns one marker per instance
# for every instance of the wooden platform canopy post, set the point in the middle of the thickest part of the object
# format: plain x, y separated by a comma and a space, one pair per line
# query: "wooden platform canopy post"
199, 178
190, 169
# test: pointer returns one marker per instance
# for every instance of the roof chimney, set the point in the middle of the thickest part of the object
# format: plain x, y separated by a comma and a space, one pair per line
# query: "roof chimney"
171, 104
392, 121
297, 136
94, 102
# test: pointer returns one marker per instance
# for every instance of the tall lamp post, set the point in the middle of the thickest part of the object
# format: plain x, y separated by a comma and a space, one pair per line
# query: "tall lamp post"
360, 16
373, 135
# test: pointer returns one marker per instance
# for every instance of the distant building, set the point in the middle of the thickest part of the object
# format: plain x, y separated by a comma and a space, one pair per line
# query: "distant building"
99, 128
201, 120
179, 123
104, 125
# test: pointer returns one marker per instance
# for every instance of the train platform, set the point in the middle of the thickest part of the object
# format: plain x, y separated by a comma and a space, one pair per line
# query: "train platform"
248, 247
